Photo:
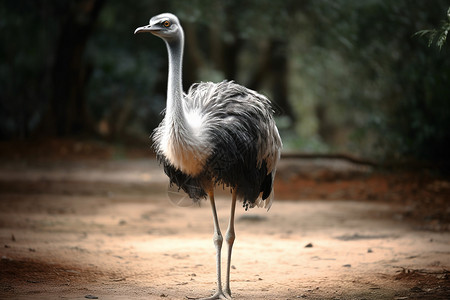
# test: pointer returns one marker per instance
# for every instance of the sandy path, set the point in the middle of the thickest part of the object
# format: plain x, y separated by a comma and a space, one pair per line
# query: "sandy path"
72, 232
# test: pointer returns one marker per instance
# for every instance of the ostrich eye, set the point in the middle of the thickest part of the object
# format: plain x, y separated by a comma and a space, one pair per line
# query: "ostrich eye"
166, 23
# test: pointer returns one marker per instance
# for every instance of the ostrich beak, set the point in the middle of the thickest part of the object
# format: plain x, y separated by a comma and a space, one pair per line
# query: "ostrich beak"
146, 28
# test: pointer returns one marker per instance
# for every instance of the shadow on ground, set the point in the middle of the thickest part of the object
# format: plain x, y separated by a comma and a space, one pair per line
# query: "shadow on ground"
106, 229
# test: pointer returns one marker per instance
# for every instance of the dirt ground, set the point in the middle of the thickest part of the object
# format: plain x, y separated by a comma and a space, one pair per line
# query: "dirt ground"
109, 228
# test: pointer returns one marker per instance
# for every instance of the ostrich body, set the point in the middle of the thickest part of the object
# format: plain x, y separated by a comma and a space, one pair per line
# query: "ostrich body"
217, 133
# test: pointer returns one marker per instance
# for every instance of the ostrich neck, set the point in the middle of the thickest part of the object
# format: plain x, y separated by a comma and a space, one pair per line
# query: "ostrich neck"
179, 143
174, 109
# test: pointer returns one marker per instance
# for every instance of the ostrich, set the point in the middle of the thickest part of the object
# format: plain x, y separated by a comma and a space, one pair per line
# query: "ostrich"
216, 134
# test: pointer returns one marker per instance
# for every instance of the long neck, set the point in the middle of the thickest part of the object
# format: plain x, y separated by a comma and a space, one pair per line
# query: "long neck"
174, 109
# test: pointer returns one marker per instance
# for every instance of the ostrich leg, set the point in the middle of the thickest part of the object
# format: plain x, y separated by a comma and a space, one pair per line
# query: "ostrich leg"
218, 240
230, 236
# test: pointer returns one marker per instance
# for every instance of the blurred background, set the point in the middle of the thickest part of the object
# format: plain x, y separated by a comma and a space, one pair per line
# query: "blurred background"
347, 76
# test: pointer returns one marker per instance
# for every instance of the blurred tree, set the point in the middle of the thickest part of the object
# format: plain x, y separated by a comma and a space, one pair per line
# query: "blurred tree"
27, 28
348, 75
68, 114
44, 76
390, 85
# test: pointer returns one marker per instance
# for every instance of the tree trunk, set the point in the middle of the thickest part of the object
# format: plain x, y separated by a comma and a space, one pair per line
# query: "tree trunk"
68, 114
279, 69
273, 64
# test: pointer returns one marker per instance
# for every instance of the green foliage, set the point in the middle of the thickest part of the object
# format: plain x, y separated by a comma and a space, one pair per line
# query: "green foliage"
437, 35
392, 92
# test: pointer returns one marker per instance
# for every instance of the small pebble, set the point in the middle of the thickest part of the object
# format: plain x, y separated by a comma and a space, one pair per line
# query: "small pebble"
309, 245
32, 281
90, 297
347, 266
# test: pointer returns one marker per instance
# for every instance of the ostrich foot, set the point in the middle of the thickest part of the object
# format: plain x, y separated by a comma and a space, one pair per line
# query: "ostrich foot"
217, 296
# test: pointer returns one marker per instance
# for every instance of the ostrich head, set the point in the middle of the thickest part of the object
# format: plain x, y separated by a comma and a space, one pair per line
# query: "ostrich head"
166, 26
